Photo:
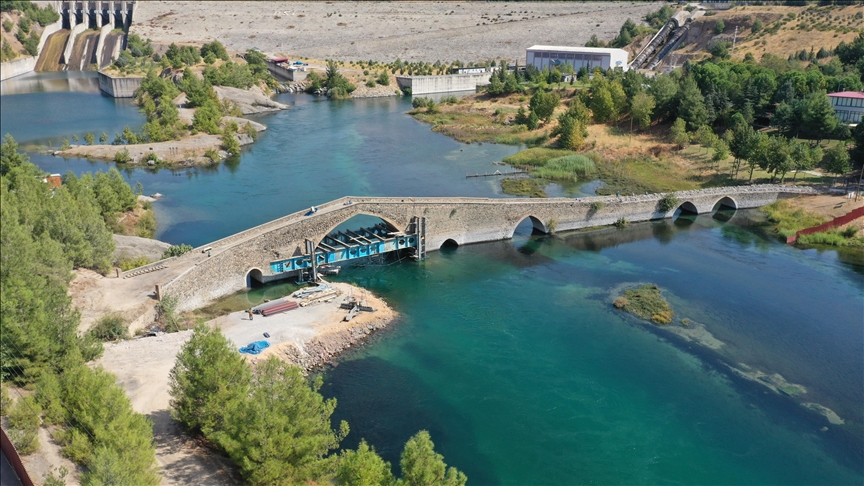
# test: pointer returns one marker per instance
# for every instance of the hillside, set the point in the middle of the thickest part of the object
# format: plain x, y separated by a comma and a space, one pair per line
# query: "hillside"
785, 30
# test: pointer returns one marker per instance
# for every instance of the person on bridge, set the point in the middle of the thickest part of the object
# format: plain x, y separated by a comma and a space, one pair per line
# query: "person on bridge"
250, 314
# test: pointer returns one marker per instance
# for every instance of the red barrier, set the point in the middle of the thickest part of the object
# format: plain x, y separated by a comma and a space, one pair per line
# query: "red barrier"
14, 459
838, 221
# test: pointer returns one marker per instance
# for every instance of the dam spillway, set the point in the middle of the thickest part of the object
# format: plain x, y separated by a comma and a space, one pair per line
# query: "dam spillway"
89, 34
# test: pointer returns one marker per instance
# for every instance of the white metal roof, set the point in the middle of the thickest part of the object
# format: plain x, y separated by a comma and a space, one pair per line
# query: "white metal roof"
604, 50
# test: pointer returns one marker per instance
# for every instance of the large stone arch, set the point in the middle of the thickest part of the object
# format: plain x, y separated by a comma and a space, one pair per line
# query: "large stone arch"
538, 224
350, 214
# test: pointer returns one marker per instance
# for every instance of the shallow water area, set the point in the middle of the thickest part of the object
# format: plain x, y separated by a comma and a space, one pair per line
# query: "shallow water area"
510, 353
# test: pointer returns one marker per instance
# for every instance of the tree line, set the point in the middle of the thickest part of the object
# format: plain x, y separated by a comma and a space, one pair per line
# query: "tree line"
45, 234
716, 95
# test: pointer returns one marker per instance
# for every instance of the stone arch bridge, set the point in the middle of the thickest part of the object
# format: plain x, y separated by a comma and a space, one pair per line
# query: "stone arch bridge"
224, 266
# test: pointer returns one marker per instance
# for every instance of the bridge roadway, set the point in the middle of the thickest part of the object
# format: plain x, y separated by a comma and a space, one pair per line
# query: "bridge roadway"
196, 279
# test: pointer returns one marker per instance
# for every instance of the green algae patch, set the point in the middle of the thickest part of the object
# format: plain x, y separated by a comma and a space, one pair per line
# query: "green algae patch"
646, 302
522, 187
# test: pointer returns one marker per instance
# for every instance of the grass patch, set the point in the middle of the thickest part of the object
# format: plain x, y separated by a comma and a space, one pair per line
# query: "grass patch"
534, 157
833, 237
788, 220
522, 187
566, 168
646, 302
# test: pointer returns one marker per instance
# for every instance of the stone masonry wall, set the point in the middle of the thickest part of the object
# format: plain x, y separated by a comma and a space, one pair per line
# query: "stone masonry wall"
464, 220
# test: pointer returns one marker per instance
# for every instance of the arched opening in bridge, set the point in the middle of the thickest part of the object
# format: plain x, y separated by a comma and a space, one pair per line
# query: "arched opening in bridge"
724, 209
685, 215
450, 245
530, 225
254, 278
364, 239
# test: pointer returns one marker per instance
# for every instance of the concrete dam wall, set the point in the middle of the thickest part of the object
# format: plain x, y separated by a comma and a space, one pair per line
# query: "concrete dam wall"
420, 85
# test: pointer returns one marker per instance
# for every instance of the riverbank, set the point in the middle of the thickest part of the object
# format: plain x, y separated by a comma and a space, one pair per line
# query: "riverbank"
187, 152
308, 336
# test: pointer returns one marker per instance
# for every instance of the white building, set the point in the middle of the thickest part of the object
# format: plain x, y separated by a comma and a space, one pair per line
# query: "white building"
543, 57
849, 106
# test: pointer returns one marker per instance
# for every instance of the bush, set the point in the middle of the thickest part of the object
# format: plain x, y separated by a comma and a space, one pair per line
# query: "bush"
131, 263
370, 83
122, 156
165, 310
146, 225
110, 327
7, 25
383, 79
24, 421
176, 250
668, 202
597, 205
5, 401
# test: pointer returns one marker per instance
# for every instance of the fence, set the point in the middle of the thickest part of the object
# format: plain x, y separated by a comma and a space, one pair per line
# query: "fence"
838, 221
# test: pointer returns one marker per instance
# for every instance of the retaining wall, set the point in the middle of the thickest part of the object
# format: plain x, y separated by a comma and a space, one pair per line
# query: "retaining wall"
442, 84
118, 87
10, 69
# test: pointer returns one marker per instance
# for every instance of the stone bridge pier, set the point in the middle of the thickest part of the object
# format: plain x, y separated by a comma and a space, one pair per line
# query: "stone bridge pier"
234, 261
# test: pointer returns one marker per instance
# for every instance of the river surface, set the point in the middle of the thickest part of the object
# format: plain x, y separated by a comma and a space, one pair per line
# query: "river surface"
510, 353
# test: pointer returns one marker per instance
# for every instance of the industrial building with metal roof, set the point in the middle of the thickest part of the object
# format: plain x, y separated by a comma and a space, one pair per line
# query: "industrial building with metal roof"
543, 57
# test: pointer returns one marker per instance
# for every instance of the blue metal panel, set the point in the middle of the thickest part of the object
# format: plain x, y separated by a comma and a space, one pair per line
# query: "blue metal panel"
351, 252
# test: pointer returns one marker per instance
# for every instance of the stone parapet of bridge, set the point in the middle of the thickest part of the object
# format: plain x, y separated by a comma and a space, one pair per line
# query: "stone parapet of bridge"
460, 220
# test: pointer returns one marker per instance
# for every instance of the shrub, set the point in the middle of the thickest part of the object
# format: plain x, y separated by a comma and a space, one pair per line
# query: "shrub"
7, 25
621, 223
110, 327
146, 225
24, 421
646, 302
668, 202
122, 156
370, 83
64, 144
213, 155
5, 401
165, 310
176, 250
383, 79
130, 263
597, 205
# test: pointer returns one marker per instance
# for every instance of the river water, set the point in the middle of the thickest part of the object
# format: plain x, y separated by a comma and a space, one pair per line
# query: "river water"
510, 353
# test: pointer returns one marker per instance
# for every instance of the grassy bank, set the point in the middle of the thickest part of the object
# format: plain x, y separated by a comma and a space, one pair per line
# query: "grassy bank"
787, 220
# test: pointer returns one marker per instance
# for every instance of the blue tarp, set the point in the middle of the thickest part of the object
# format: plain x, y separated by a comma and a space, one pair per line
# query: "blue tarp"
255, 348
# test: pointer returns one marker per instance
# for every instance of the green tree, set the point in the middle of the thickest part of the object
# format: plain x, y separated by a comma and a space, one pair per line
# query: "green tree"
280, 433
836, 161
664, 88
719, 27
756, 27
691, 104
678, 133
103, 138
641, 108
89, 138
422, 466
10, 157
363, 467
207, 118
208, 379
216, 49
543, 104
804, 157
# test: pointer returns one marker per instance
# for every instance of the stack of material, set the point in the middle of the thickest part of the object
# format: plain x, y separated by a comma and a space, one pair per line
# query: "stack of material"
276, 307
322, 296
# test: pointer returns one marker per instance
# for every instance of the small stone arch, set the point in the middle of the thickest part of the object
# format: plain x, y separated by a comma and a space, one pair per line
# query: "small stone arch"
538, 225
687, 207
254, 275
449, 244
725, 202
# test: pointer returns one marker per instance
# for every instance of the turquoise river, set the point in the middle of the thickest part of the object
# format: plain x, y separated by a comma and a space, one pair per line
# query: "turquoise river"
510, 353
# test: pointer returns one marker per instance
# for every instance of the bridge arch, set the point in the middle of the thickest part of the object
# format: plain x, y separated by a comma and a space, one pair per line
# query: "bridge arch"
725, 202
449, 244
353, 214
536, 223
687, 207
254, 275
